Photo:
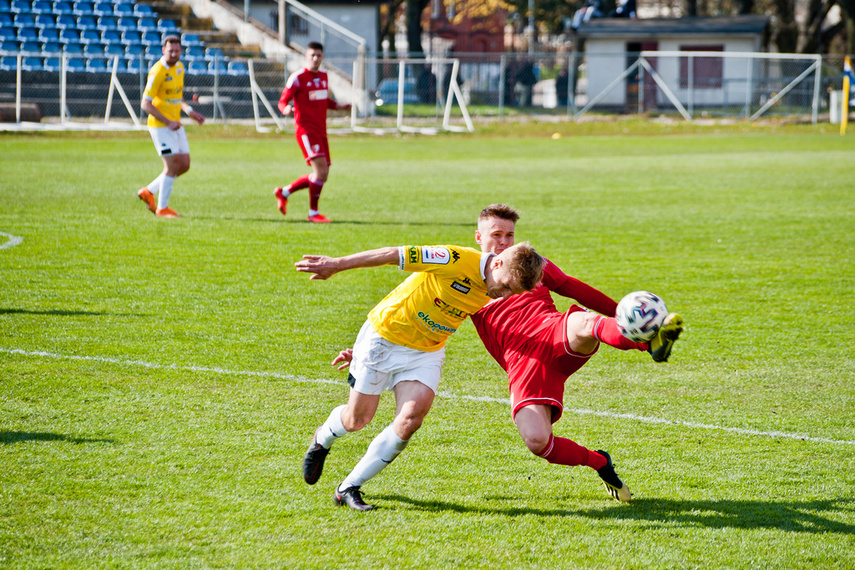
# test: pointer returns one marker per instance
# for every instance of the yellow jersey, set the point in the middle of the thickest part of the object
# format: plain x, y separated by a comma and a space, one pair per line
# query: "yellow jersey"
447, 285
165, 89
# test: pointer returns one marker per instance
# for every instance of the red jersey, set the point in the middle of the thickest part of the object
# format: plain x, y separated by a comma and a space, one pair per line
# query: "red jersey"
311, 95
504, 325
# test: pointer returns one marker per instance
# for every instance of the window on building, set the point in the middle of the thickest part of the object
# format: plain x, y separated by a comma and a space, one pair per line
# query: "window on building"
706, 72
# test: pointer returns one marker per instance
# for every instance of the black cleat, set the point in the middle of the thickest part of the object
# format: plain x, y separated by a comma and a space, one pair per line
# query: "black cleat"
313, 462
616, 488
352, 497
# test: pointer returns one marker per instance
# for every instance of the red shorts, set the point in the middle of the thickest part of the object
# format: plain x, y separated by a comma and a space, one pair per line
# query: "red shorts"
313, 145
537, 370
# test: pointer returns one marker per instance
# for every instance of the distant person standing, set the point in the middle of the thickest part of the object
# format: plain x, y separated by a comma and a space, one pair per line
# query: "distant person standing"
307, 94
163, 101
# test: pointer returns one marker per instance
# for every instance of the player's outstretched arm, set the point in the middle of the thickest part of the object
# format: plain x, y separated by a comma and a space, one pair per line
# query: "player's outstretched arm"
343, 359
325, 267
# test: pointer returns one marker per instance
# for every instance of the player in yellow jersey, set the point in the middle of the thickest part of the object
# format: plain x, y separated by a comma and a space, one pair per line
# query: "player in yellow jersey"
401, 347
163, 100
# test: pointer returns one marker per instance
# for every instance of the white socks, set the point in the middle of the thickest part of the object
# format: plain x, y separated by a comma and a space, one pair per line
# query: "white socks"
165, 190
382, 451
332, 429
154, 185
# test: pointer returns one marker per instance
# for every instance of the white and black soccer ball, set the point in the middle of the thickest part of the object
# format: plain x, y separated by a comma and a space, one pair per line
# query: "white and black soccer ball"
640, 314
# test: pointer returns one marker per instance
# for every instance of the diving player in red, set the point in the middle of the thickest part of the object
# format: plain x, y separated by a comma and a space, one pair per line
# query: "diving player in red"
307, 94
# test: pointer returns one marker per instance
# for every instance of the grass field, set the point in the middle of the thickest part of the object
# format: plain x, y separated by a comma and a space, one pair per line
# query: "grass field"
161, 378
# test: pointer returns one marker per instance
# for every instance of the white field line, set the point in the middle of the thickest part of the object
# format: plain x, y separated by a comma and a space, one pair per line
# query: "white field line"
12, 242
446, 395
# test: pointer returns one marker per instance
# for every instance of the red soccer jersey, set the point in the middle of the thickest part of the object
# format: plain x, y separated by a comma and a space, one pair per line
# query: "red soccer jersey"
506, 324
311, 95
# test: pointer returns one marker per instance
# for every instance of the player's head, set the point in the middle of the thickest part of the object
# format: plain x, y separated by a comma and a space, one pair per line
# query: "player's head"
171, 49
496, 225
516, 270
314, 55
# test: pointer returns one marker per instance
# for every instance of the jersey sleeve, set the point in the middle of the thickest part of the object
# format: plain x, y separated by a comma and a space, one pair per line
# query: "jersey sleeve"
438, 259
153, 83
291, 87
572, 288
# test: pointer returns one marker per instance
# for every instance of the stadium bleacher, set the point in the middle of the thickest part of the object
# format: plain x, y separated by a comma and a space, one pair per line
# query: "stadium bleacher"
93, 32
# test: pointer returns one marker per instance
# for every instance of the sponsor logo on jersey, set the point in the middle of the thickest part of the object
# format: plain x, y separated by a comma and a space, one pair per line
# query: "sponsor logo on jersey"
455, 255
435, 255
460, 287
318, 95
448, 309
413, 253
434, 326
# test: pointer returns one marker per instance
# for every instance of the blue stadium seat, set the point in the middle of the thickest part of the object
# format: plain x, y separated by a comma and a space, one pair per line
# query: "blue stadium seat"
114, 49
5, 20
5, 7
131, 37
8, 34
198, 67
96, 65
144, 11
20, 7
48, 35
66, 22
103, 9
147, 24
111, 37
42, 7
237, 68
123, 9
136, 66
218, 67
9, 45
51, 47
134, 49
31, 48
84, 8
151, 39
108, 23
87, 23
69, 36
28, 34
213, 53
192, 52
90, 37
53, 64
191, 40
32, 64
46, 21
167, 26
8, 63
126, 24
93, 50
24, 21
63, 8
73, 48
76, 64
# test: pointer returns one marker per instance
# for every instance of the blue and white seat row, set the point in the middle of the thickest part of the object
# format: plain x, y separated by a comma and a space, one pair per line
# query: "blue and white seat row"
88, 7
105, 65
69, 22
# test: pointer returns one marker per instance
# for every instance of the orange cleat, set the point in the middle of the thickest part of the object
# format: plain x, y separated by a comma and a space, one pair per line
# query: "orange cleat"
319, 219
148, 198
283, 201
167, 213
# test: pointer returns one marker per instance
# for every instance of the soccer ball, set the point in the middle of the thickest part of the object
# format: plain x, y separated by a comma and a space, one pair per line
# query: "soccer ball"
640, 314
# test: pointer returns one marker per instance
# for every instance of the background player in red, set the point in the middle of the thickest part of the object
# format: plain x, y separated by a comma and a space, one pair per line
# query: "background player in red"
540, 347
307, 94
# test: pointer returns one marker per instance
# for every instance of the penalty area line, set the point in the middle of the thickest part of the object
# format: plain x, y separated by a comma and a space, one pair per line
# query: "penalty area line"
12, 241
444, 395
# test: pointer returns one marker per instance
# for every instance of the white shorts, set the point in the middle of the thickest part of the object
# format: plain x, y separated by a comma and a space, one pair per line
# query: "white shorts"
379, 365
169, 142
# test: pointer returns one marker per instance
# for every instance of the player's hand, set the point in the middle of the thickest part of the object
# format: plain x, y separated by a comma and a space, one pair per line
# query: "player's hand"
344, 357
286, 110
198, 117
174, 125
322, 266
345, 107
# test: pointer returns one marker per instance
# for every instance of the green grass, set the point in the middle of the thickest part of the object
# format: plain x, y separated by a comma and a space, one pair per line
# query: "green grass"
161, 378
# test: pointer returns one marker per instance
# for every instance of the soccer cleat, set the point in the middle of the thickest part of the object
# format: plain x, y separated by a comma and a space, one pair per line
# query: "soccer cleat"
616, 488
319, 219
147, 197
167, 213
283, 201
313, 462
668, 333
352, 497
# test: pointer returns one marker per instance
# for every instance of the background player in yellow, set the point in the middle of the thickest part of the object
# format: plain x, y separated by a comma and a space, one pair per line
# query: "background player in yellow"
163, 100
401, 347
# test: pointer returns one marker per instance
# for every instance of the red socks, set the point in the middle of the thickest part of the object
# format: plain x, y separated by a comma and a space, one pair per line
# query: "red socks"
315, 187
300, 183
606, 330
566, 452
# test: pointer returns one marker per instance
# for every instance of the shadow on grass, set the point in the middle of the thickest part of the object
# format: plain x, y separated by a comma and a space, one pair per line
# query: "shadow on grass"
790, 516
12, 437
65, 313
301, 220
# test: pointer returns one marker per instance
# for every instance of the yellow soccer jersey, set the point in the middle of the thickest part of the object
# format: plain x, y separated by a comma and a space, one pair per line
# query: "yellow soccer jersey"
165, 89
446, 287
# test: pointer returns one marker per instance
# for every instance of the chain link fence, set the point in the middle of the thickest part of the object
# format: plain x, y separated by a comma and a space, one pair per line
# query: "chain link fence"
72, 89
